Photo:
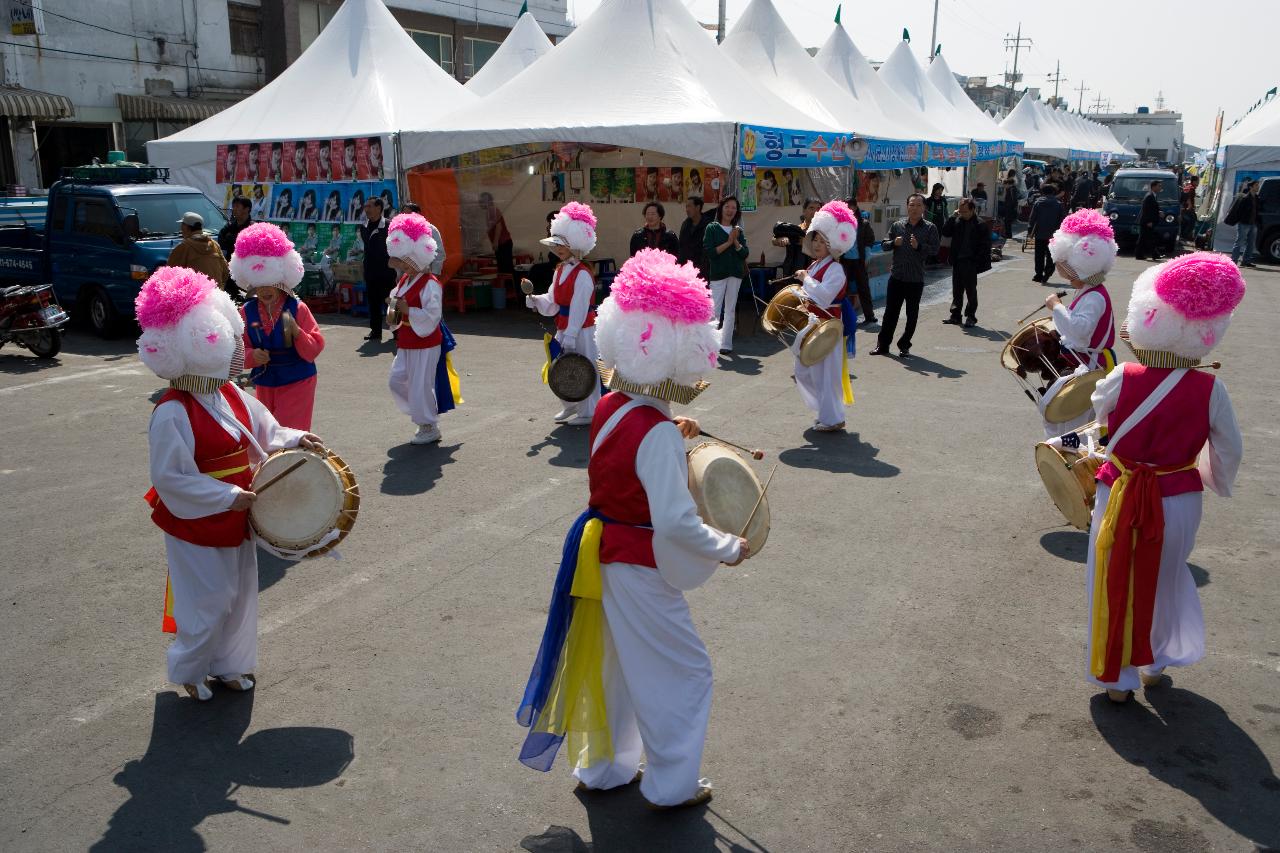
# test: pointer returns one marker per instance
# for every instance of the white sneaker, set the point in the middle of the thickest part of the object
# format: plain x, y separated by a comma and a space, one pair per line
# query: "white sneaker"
562, 416
579, 420
426, 434
200, 692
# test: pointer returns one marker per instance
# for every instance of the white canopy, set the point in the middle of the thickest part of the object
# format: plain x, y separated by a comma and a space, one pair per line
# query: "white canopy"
887, 115
1253, 145
636, 73
973, 121
362, 76
524, 44
1031, 121
903, 74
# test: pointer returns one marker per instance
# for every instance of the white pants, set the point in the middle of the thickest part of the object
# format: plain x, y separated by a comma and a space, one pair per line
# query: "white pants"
413, 383
724, 293
215, 603
1177, 625
822, 388
586, 346
657, 682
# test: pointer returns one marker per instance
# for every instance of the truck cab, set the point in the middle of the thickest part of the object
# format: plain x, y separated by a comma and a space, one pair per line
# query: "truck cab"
106, 230
1124, 203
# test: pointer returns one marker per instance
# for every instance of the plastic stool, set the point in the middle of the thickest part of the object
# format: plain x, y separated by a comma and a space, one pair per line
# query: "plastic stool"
346, 297
360, 305
506, 281
459, 292
604, 266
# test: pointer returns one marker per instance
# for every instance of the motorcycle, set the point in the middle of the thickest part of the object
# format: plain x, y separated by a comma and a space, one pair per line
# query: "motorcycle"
31, 317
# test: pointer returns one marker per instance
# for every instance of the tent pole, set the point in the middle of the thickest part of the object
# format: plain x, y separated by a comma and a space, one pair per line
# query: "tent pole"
732, 178
401, 184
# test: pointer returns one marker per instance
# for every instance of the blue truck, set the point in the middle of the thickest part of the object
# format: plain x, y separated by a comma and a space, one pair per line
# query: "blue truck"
1124, 202
98, 235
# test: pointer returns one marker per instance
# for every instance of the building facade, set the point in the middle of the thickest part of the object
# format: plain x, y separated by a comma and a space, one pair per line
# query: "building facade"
1153, 135
83, 78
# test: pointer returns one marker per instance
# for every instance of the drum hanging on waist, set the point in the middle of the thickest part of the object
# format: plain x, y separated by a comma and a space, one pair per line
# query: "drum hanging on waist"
311, 509
1069, 478
726, 490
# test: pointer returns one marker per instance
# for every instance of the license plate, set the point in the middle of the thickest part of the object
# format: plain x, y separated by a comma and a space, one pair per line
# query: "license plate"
53, 315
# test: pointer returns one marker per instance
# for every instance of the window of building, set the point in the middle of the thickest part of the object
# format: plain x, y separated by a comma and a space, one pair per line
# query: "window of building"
245, 27
475, 53
313, 17
438, 46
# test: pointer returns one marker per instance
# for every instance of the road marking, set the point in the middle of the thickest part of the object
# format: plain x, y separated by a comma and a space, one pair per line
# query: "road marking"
130, 369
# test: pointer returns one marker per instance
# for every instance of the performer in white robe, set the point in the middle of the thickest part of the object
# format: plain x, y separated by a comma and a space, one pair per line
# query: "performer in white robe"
206, 436
831, 233
571, 299
1172, 432
650, 688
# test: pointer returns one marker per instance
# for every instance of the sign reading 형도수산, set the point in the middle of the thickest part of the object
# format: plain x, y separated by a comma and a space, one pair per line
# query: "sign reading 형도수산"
807, 149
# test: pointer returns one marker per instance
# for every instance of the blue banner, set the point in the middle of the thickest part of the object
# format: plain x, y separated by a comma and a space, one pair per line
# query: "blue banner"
987, 150
800, 149
1014, 149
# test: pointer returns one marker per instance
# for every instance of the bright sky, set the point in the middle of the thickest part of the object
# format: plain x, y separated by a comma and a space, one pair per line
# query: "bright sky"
1202, 56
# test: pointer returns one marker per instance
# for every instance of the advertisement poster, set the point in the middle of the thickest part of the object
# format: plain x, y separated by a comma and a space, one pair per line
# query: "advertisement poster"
747, 186
370, 163
671, 183
275, 163
869, 187
769, 187
622, 186
242, 162
710, 183
323, 162
600, 180
333, 206
255, 165
356, 195
224, 170
386, 190
343, 155
553, 186
305, 237
307, 203
283, 202
260, 201
646, 184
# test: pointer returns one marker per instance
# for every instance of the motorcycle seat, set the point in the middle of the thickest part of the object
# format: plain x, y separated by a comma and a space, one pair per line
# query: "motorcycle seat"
9, 291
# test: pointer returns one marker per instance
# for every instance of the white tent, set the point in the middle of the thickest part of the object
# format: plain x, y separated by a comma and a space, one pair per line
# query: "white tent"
1031, 121
363, 76
524, 44
840, 58
974, 122
903, 74
636, 73
1251, 147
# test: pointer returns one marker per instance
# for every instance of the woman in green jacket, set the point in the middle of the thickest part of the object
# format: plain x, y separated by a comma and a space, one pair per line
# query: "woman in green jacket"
725, 245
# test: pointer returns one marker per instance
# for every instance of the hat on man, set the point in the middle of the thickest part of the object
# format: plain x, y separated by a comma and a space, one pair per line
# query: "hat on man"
192, 220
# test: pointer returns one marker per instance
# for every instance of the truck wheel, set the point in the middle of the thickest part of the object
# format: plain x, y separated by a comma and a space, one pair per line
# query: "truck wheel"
43, 343
102, 315
1271, 245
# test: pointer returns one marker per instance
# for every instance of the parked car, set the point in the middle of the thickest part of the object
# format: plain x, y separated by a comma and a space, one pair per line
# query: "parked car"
98, 236
1269, 219
1124, 202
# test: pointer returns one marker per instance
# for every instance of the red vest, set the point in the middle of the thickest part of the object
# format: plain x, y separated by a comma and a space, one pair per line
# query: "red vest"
406, 337
216, 454
1172, 435
834, 310
1104, 334
616, 490
562, 293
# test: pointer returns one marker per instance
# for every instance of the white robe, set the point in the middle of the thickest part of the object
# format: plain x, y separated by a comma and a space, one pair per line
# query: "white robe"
821, 386
1076, 327
413, 372
657, 674
1177, 627
574, 337
215, 590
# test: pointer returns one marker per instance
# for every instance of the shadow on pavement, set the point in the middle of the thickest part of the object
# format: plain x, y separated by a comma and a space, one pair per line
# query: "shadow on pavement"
839, 453
373, 349
271, 569
736, 362
926, 367
1188, 742
412, 469
986, 334
19, 362
570, 444
1199, 575
196, 760
1069, 544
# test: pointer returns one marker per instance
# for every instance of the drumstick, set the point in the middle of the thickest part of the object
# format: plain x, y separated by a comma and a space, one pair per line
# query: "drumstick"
278, 477
754, 454
759, 501
1061, 293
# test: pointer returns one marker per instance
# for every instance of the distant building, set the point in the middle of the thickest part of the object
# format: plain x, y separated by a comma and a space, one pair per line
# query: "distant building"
1153, 135
993, 98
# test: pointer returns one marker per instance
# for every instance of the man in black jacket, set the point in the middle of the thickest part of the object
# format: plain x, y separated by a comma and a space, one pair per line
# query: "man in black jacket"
691, 232
1046, 215
970, 255
379, 278
1148, 219
655, 234
1243, 214
913, 241
240, 220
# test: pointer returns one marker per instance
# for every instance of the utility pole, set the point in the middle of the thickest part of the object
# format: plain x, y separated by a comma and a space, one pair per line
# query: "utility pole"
1080, 103
720, 24
1057, 78
933, 37
1016, 43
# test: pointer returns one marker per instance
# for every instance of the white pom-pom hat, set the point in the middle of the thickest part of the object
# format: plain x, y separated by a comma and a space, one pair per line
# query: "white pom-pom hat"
1182, 308
837, 222
655, 331
192, 334
1084, 247
573, 227
264, 257
409, 238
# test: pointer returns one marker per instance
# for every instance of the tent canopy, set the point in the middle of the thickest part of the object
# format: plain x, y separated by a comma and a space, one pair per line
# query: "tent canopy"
362, 76
1030, 121
903, 74
973, 121
637, 73
523, 45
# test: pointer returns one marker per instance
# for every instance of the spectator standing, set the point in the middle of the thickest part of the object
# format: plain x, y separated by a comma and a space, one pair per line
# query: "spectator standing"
1148, 219
1243, 214
197, 252
970, 255
1085, 192
654, 234
936, 212
795, 258
692, 230
913, 241
379, 277
499, 236
1046, 215
979, 196
726, 247
241, 208
1187, 207
1007, 208
854, 262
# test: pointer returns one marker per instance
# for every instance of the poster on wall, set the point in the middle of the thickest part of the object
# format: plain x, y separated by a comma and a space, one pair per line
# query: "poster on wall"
600, 180
307, 204
769, 188
869, 187
283, 202
671, 183
747, 188
646, 182
553, 186
709, 183
622, 186
342, 153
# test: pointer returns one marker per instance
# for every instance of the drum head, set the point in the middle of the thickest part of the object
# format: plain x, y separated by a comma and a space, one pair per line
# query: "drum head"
573, 377
304, 507
1063, 485
821, 342
726, 490
785, 311
1074, 399
1020, 340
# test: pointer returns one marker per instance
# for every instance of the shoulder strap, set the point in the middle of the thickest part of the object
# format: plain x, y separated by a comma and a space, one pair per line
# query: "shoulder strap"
612, 422
1147, 406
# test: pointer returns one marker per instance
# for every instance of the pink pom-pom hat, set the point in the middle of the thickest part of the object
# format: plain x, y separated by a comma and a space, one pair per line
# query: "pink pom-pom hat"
581, 212
264, 257
1088, 222
169, 294
573, 227
837, 223
409, 238
654, 282
1201, 285
414, 225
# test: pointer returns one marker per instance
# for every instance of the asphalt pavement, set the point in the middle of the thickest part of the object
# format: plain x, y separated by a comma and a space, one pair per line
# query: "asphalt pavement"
899, 669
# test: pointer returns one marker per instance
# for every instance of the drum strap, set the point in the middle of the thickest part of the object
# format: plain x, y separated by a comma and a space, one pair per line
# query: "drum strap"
1147, 406
614, 420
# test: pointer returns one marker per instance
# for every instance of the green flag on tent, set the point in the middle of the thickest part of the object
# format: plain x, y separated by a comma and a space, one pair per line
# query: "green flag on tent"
837, 13
523, 8
906, 36
938, 52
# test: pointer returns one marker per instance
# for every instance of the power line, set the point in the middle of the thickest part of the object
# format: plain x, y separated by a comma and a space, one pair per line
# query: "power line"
130, 61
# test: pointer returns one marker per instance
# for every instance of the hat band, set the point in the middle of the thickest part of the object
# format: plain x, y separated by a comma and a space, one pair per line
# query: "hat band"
1093, 280
197, 384
667, 389
1156, 357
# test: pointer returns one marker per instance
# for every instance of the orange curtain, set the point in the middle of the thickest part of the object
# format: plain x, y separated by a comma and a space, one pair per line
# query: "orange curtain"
436, 190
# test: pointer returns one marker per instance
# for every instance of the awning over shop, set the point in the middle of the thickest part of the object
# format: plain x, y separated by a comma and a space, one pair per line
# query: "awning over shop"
148, 107
28, 103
